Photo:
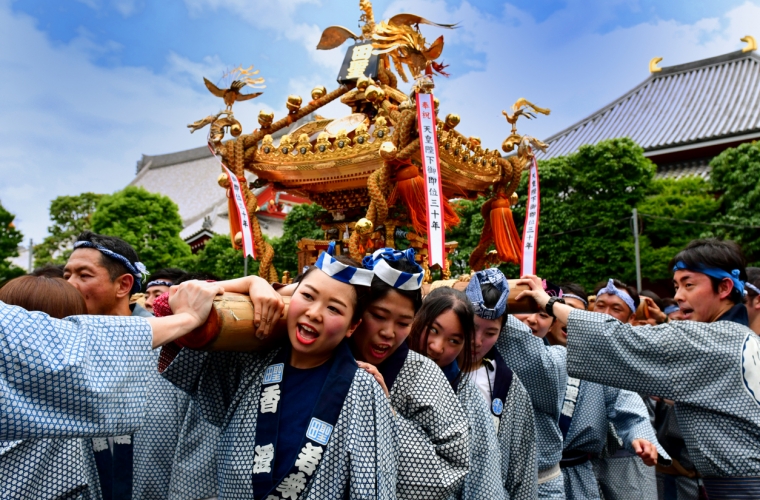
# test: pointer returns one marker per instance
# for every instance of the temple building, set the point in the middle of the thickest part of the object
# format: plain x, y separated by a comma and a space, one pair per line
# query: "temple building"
189, 179
683, 116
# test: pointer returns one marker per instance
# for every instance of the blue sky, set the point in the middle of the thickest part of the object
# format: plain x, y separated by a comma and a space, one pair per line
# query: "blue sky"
90, 85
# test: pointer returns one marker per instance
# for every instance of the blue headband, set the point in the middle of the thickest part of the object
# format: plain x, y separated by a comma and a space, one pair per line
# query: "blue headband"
158, 283
611, 289
473, 292
340, 271
378, 263
671, 309
714, 272
576, 297
137, 269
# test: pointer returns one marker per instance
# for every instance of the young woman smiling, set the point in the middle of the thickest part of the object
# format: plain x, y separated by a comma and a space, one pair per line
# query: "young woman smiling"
443, 330
301, 421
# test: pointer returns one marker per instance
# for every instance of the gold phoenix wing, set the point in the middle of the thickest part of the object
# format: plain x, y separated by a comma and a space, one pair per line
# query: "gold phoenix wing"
334, 36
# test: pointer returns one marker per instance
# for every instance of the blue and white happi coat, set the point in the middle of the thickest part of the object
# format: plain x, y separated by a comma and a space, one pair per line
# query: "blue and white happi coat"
593, 407
483, 481
358, 461
433, 431
711, 371
175, 449
83, 376
516, 435
543, 372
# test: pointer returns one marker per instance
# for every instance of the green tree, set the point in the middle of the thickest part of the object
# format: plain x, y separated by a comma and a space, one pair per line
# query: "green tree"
688, 198
147, 221
301, 222
71, 215
10, 238
735, 177
586, 202
219, 258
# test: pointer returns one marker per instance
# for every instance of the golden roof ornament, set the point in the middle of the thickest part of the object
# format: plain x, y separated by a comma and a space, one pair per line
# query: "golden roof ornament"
653, 68
751, 43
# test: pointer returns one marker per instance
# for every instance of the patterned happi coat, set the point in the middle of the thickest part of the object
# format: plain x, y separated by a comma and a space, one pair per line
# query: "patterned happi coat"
542, 370
517, 443
82, 376
433, 431
597, 406
711, 371
175, 449
359, 460
483, 481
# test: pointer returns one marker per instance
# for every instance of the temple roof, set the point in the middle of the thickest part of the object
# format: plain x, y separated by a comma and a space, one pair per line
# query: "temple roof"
690, 106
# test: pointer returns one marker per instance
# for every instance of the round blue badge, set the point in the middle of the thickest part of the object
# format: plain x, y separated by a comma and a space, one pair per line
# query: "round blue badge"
497, 406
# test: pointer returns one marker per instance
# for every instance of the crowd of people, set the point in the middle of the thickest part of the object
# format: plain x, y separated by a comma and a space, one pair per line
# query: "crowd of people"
377, 391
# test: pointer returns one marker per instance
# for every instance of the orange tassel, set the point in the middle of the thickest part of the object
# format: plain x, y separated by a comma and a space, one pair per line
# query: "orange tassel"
505, 236
410, 187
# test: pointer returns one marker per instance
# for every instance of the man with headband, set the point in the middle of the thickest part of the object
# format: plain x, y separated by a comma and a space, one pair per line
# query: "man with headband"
540, 367
159, 284
106, 270
709, 364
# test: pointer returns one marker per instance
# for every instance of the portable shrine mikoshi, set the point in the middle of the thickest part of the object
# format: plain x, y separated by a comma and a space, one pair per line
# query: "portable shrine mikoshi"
375, 173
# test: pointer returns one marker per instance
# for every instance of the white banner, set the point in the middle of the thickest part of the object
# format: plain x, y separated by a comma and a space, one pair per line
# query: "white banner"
431, 171
530, 231
239, 202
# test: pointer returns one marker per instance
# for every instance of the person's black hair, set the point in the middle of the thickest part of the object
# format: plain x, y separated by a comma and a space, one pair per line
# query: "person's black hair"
436, 303
657, 299
491, 296
630, 290
362, 292
575, 289
114, 267
753, 276
49, 271
171, 274
715, 253
201, 276
379, 288
667, 302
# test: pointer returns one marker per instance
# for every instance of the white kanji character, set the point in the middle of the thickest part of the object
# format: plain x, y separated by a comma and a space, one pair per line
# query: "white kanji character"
123, 439
292, 486
263, 458
269, 399
99, 444
309, 458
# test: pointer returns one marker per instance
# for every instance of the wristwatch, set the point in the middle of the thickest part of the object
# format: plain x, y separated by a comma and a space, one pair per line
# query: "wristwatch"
550, 305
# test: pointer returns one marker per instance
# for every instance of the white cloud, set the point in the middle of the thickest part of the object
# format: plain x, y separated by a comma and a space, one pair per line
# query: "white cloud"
72, 126
125, 7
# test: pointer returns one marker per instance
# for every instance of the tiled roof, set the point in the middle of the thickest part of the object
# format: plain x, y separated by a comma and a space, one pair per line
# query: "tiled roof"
700, 168
706, 101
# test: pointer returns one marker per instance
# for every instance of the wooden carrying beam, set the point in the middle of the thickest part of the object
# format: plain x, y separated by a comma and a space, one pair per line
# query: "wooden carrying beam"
229, 326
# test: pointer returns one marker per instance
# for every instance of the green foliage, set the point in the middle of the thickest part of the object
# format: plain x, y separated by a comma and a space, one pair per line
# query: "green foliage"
736, 178
147, 221
301, 222
586, 203
71, 215
688, 198
219, 258
10, 238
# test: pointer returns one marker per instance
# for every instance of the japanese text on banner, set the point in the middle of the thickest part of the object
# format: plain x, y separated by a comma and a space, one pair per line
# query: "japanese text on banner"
239, 202
432, 174
530, 231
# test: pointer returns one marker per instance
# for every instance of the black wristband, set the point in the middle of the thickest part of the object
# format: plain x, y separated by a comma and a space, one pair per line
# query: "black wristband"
550, 305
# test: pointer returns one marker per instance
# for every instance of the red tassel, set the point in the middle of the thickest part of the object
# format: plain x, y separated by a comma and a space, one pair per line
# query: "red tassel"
410, 187
505, 236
